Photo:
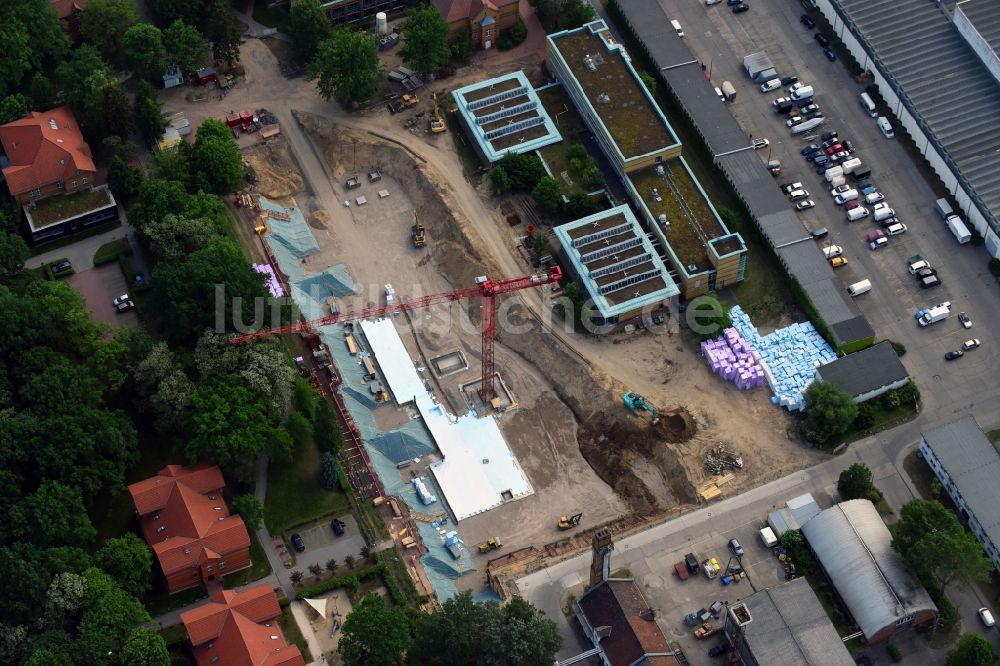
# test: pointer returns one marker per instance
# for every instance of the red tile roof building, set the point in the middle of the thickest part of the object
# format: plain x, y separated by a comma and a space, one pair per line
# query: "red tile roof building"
47, 156
69, 11
240, 629
616, 617
187, 524
485, 19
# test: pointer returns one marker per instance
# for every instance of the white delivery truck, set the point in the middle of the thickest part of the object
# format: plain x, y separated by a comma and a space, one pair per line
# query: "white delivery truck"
958, 229
859, 288
768, 538
832, 173
850, 165
936, 313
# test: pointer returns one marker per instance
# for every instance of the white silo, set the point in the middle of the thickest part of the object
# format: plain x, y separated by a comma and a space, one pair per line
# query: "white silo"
381, 24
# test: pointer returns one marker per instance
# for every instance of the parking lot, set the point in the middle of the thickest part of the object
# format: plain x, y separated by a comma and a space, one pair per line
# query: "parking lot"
99, 287
322, 545
721, 39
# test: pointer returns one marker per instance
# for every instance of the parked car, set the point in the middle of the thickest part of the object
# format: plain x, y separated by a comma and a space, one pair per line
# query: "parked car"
827, 136
848, 146
839, 190
795, 195
789, 80
895, 229
781, 100
712, 2
831, 251
120, 299
740, 8
964, 320
830, 54
874, 197
834, 148
805, 204
735, 546
829, 142
124, 306
62, 266
930, 282
807, 21
808, 108
878, 243
758, 144
794, 120
837, 262
810, 149
851, 205
986, 616
298, 544
922, 273
951, 356
767, 86
788, 187
822, 232
691, 562
970, 344
844, 197
719, 650
733, 2
838, 156
337, 525
821, 38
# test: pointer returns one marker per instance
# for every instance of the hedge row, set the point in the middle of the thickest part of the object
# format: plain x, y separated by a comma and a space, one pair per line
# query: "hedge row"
352, 581
389, 560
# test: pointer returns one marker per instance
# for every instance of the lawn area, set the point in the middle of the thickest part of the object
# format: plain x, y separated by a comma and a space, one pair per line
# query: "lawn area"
158, 602
52, 209
884, 420
294, 496
259, 567
994, 436
292, 633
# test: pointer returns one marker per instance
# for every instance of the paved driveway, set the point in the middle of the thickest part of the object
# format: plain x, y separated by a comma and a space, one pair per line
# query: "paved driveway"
322, 545
99, 286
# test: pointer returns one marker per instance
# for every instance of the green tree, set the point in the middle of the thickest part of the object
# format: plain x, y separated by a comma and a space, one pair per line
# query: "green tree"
143, 51
13, 253
192, 12
331, 565
649, 82
919, 517
33, 38
425, 40
326, 428
53, 515
296, 577
263, 365
950, 557
579, 205
346, 66
524, 171
250, 510
217, 158
708, 317
374, 634
13, 107
461, 48
299, 428
829, 412
174, 237
107, 109
105, 23
308, 26
72, 74
855, 482
315, 569
228, 424
563, 14
41, 91
329, 478
795, 545
185, 295
175, 165
185, 46
124, 180
145, 648
148, 117
225, 33
129, 561
972, 650
548, 195
157, 199
513, 36
500, 179
15, 57
109, 618
349, 561
470, 632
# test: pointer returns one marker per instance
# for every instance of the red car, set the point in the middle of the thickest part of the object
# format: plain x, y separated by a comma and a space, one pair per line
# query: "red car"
835, 148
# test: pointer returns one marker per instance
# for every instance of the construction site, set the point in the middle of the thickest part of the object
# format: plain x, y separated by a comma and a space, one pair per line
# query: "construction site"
372, 229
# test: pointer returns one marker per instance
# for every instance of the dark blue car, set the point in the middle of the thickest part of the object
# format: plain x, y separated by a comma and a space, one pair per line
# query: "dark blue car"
830, 55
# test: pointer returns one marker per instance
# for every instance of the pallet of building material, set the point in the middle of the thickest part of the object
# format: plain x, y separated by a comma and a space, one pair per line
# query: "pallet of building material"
278, 215
724, 479
709, 491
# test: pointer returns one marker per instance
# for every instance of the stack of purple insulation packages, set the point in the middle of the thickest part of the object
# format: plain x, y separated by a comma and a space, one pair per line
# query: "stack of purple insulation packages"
731, 358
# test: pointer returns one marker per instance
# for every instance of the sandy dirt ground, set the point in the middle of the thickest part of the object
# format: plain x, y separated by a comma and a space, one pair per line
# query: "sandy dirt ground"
569, 386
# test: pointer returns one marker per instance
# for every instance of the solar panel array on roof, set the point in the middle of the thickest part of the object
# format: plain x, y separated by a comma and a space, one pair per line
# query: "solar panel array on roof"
749, 176
931, 67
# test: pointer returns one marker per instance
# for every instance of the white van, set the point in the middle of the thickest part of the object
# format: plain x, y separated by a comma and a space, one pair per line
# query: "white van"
859, 288
882, 212
831, 251
805, 92
856, 214
895, 229
867, 104
886, 127
677, 28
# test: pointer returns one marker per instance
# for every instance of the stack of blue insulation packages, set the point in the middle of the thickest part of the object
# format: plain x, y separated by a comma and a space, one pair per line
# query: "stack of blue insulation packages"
789, 355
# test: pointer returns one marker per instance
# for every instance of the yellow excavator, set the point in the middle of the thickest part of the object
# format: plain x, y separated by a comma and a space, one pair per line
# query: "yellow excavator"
570, 522
437, 122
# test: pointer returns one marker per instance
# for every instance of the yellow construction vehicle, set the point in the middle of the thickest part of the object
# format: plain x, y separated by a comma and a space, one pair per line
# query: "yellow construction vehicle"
418, 236
571, 522
410, 100
493, 543
437, 122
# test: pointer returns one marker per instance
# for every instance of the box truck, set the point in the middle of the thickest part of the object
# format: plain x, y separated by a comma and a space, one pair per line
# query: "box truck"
935, 314
943, 208
849, 166
833, 172
958, 229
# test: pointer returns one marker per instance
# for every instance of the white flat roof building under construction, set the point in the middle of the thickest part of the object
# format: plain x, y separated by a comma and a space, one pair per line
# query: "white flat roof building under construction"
478, 471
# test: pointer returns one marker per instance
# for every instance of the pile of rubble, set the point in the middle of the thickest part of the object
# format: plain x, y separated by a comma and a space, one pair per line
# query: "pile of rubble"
719, 458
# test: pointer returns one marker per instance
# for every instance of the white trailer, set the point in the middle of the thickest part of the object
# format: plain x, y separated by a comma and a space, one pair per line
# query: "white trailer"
958, 229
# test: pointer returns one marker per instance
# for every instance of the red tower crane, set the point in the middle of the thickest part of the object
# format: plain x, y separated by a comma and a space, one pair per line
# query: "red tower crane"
485, 288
